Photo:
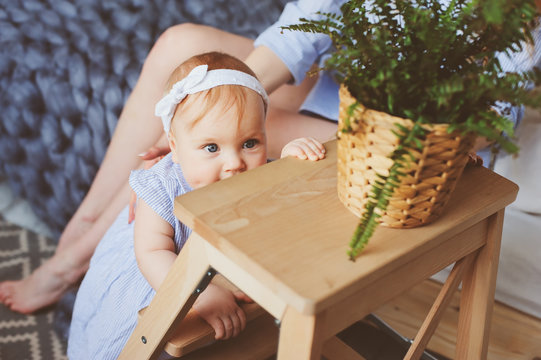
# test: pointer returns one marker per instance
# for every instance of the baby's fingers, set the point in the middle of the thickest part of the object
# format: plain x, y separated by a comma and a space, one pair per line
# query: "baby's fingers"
229, 327
237, 321
319, 147
310, 148
236, 325
242, 318
219, 328
304, 148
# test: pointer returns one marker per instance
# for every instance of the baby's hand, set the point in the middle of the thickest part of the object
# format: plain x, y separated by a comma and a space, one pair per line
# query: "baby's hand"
218, 306
304, 148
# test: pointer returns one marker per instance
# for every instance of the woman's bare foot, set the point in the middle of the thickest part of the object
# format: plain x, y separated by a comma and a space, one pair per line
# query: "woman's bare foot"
44, 287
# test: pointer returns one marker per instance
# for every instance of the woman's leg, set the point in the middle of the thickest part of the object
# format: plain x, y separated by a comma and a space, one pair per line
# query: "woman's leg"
47, 284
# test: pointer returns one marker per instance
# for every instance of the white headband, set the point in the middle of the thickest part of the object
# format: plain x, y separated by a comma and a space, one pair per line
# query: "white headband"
199, 79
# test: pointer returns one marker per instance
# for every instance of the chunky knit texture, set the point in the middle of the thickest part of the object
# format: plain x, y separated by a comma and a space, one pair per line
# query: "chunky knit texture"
66, 69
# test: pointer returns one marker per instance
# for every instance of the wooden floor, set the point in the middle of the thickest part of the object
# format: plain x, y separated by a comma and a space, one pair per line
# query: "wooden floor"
514, 335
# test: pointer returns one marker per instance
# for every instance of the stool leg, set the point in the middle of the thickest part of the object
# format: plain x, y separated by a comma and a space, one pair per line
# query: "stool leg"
187, 278
477, 297
445, 296
301, 336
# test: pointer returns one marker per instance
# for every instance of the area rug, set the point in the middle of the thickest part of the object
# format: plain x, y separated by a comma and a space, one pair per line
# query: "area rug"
26, 337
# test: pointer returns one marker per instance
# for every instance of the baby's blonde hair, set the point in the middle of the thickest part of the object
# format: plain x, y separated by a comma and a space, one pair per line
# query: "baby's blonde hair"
235, 94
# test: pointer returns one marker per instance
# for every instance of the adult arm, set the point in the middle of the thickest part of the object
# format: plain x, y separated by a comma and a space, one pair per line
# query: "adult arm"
271, 71
297, 51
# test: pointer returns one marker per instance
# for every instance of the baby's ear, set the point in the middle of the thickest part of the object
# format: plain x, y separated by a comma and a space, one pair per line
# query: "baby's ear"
173, 146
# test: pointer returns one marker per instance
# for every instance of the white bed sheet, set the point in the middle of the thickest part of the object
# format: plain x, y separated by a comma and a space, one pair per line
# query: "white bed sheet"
519, 273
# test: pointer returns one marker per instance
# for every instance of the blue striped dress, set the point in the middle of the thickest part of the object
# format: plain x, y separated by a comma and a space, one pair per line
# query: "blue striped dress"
114, 290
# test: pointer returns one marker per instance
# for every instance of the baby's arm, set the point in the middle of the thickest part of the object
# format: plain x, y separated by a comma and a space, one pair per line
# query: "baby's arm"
153, 244
155, 254
304, 148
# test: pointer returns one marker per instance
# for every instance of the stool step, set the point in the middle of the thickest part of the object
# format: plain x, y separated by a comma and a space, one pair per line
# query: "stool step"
258, 341
194, 333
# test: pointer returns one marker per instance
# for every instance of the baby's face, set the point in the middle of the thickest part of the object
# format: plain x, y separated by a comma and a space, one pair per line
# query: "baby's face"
222, 143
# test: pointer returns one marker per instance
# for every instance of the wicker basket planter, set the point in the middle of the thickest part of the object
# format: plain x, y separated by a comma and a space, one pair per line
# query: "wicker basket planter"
429, 181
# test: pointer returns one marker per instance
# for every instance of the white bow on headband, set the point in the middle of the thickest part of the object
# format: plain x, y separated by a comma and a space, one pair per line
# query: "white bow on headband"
199, 79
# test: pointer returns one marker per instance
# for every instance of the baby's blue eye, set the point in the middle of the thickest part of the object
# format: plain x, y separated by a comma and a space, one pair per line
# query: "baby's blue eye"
250, 144
211, 148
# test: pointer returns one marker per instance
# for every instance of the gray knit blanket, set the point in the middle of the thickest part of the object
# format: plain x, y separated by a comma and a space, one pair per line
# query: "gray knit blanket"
66, 69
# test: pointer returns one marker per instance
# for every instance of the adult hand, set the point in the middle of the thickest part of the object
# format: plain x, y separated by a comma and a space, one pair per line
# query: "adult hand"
154, 153
474, 159
151, 157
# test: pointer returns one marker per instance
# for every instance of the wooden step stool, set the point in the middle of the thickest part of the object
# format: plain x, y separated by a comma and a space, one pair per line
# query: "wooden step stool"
265, 231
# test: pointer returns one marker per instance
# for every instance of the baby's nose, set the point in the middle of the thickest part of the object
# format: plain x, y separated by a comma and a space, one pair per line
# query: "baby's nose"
234, 164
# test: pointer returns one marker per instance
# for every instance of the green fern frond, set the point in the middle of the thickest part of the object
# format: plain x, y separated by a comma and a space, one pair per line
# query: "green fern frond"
382, 189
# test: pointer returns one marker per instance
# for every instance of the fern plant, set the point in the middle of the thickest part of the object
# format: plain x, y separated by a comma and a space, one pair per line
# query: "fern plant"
431, 62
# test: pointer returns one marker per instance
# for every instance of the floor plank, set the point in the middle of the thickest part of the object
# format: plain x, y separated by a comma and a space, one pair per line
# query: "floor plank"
514, 335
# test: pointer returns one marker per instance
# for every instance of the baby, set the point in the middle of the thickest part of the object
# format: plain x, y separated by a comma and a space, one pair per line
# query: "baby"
214, 117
